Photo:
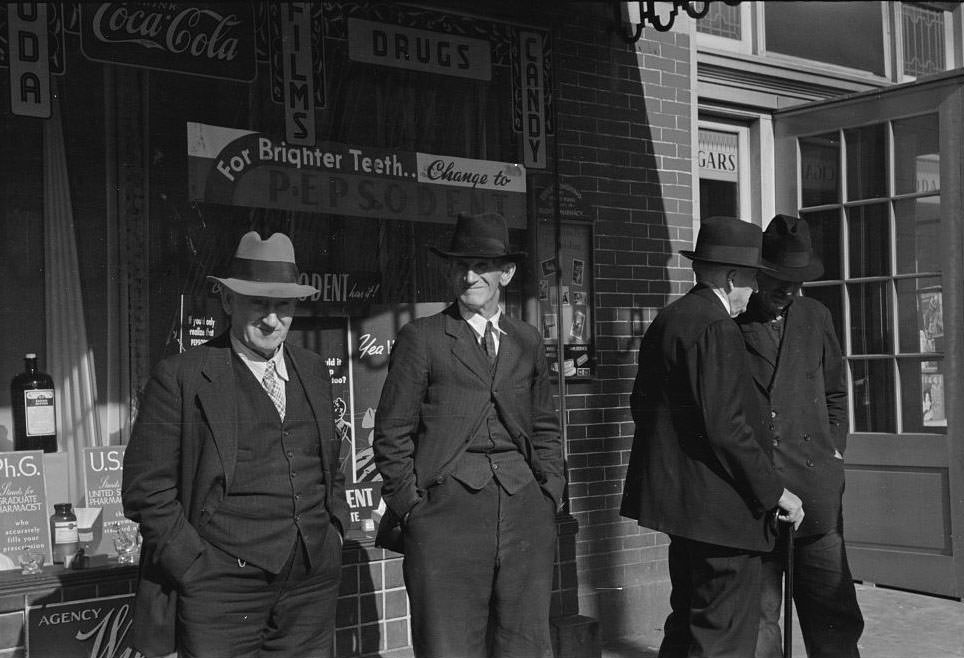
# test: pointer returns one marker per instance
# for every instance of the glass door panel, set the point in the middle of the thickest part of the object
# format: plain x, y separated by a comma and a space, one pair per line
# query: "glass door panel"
869, 238
873, 395
866, 162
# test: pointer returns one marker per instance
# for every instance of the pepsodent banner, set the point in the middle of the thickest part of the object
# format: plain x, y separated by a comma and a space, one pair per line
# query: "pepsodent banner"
245, 168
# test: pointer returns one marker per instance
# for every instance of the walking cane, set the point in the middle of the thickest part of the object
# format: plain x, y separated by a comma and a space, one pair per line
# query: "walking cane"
788, 595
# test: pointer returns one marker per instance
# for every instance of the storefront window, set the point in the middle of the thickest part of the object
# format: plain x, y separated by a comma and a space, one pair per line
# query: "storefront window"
847, 34
720, 171
891, 316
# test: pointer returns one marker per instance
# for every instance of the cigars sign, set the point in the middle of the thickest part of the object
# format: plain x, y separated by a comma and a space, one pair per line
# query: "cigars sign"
214, 39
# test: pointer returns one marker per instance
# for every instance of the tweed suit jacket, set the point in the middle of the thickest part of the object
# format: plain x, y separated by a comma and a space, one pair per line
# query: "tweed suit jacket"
180, 462
437, 392
697, 469
802, 394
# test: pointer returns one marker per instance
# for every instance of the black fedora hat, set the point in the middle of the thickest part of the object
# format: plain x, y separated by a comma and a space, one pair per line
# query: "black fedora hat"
480, 236
728, 241
788, 251
265, 268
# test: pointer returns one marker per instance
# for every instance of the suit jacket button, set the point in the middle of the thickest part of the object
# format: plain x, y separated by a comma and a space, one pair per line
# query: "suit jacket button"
439, 480
775, 442
773, 413
810, 463
806, 437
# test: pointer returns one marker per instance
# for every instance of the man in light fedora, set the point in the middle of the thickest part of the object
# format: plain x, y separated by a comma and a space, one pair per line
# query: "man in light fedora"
468, 444
232, 474
798, 381
697, 469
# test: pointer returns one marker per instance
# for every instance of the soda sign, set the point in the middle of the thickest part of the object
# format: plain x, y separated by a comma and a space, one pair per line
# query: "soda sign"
214, 39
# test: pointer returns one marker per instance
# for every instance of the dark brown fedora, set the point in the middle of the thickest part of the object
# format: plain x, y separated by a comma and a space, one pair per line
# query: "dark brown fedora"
480, 236
728, 241
265, 268
787, 250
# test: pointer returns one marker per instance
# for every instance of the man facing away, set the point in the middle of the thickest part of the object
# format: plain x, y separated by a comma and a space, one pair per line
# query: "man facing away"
697, 470
467, 441
232, 474
798, 380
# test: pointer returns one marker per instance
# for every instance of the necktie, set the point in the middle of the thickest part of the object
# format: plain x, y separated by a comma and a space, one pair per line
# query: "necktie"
274, 387
488, 342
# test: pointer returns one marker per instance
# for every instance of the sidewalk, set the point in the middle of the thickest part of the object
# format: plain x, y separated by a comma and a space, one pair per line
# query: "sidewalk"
897, 625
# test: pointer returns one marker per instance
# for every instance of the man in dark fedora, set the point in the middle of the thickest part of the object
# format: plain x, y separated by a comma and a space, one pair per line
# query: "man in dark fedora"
468, 444
232, 474
697, 469
798, 380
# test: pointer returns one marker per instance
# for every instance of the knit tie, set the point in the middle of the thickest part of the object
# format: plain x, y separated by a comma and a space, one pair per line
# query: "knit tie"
274, 387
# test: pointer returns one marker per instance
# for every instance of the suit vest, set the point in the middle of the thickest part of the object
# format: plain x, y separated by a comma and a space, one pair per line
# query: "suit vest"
278, 488
493, 454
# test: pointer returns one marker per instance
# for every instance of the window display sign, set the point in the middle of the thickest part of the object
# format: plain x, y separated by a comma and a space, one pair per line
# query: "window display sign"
82, 629
103, 470
245, 168
23, 507
569, 301
214, 39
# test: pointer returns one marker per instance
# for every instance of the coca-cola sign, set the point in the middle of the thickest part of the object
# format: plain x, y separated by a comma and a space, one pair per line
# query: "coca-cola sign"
214, 39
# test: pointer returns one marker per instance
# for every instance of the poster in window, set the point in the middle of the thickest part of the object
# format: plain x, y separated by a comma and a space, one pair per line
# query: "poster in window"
932, 400
930, 325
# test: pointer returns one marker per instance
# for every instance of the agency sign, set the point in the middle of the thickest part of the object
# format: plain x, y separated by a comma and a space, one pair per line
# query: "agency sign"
244, 168
82, 629
214, 39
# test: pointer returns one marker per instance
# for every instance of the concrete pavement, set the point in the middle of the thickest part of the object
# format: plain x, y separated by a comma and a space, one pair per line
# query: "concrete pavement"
897, 625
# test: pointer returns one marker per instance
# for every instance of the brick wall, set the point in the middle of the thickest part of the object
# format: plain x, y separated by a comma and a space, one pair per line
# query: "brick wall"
625, 142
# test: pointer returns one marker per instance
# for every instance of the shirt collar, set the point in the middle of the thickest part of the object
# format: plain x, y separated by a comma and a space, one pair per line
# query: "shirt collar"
256, 363
723, 298
477, 321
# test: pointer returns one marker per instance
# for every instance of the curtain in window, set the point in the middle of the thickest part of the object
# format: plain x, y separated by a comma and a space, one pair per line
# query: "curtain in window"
70, 359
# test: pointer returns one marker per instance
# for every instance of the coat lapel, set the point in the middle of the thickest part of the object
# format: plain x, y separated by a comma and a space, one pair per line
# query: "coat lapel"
315, 383
510, 350
464, 346
219, 402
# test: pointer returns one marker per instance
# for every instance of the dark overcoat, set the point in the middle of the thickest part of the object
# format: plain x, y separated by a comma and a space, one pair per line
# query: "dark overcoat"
180, 462
802, 397
697, 469
438, 392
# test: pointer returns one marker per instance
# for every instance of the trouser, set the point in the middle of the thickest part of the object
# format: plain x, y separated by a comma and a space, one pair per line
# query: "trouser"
715, 601
823, 595
478, 569
231, 609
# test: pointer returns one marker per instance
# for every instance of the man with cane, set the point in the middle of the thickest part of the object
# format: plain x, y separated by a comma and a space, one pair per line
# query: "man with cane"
798, 380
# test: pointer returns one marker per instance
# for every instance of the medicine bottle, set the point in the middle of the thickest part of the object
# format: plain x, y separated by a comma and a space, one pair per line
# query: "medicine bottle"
63, 532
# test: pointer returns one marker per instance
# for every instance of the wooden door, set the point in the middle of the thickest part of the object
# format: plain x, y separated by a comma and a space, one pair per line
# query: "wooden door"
878, 177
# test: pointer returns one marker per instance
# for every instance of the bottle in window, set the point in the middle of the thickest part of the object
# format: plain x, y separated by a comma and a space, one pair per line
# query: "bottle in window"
34, 411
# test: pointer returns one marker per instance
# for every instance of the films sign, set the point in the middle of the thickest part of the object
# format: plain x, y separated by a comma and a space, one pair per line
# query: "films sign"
213, 39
